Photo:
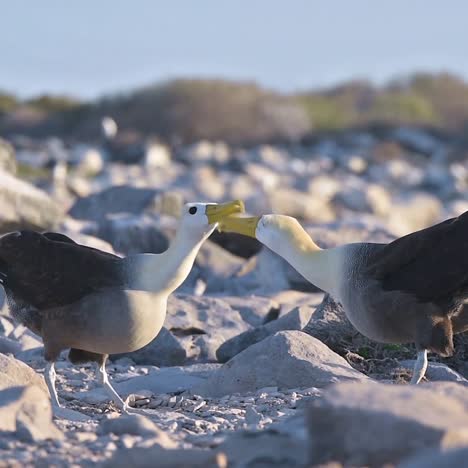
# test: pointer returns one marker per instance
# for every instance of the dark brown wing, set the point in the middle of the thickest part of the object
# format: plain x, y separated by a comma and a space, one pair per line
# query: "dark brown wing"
51, 270
431, 264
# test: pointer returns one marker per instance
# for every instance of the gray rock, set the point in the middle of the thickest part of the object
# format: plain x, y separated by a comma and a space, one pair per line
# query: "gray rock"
8, 346
135, 424
26, 412
189, 317
414, 211
265, 448
438, 459
254, 310
374, 424
301, 205
328, 323
132, 234
165, 380
288, 359
215, 266
436, 371
166, 458
164, 350
6, 326
24, 206
14, 372
294, 320
118, 199
7, 157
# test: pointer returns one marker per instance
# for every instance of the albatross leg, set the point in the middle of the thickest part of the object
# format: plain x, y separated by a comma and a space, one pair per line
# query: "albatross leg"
101, 371
50, 376
420, 367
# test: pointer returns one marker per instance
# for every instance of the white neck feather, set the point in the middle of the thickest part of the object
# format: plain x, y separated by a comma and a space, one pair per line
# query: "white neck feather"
165, 272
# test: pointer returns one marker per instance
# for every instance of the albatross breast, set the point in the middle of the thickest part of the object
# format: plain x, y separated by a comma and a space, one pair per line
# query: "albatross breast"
136, 319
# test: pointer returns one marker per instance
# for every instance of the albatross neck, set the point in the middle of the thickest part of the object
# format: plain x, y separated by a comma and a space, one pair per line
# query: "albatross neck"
319, 266
165, 272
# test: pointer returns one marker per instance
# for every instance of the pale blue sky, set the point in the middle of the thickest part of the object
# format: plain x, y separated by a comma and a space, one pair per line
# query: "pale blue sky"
93, 47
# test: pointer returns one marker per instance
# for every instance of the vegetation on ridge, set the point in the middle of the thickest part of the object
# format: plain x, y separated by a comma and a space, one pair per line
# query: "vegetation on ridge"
191, 109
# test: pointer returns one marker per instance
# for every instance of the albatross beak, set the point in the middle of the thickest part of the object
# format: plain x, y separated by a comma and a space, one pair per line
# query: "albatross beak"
245, 226
216, 213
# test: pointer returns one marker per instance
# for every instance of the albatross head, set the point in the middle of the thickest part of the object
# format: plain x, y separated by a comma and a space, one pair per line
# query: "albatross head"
275, 231
203, 218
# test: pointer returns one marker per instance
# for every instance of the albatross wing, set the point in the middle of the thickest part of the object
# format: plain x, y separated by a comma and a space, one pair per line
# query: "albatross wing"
50, 270
431, 264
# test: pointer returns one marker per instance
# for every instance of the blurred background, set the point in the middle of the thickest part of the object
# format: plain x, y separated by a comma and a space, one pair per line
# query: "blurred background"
352, 117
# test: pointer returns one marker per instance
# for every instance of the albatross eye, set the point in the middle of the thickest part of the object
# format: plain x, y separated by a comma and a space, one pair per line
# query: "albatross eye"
192, 210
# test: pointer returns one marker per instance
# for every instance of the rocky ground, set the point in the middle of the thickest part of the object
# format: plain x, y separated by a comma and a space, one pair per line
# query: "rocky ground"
255, 367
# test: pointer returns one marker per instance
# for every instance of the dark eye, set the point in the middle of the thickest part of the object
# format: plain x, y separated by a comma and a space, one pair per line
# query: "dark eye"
192, 210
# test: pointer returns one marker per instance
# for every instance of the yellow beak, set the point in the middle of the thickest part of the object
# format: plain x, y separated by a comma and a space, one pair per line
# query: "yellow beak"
245, 226
216, 213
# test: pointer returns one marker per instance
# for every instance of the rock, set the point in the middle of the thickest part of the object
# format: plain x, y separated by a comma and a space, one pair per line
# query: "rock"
374, 424
254, 310
437, 459
436, 371
215, 266
132, 234
300, 205
14, 372
26, 412
165, 350
135, 424
88, 161
24, 206
164, 380
180, 458
370, 198
288, 359
417, 140
294, 320
207, 184
119, 199
190, 318
8, 346
265, 448
329, 324
7, 157
6, 326
156, 155
414, 212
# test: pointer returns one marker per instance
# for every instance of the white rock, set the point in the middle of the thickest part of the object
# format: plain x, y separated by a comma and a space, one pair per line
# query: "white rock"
288, 359
26, 412
374, 424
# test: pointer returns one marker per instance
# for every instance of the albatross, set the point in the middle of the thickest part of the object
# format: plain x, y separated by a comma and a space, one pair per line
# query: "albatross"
95, 303
411, 290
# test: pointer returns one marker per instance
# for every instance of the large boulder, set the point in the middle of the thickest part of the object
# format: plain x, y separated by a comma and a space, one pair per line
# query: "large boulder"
25, 411
373, 424
14, 372
288, 359
294, 320
23, 206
